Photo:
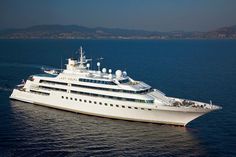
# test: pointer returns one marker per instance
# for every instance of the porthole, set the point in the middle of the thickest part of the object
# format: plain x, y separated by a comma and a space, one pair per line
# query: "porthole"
85, 100
90, 101
100, 103
75, 99
80, 99
123, 106
62, 97
149, 109
71, 98
135, 108
95, 102
117, 105
142, 108
66, 97
110, 104
129, 107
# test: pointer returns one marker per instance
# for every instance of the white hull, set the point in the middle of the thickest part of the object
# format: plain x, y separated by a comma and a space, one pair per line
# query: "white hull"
108, 107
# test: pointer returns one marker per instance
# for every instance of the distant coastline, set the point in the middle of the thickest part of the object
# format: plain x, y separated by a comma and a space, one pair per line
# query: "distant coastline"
80, 32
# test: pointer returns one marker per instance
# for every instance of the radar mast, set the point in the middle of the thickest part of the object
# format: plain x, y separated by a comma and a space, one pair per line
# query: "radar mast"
82, 59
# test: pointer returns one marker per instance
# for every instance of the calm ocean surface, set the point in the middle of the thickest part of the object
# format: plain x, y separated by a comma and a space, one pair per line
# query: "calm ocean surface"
202, 70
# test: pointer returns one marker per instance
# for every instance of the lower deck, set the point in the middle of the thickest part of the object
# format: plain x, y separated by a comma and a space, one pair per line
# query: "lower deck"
105, 108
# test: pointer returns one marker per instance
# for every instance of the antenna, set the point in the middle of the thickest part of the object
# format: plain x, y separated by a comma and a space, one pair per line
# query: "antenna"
82, 59
88, 65
98, 64
61, 63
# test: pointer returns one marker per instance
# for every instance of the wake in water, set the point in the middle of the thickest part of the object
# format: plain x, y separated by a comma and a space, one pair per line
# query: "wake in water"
8, 88
5, 89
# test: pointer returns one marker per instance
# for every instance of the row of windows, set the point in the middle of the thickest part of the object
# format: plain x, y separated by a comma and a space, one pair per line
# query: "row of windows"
52, 82
100, 103
53, 88
98, 95
97, 81
113, 90
124, 81
37, 92
99, 88
112, 97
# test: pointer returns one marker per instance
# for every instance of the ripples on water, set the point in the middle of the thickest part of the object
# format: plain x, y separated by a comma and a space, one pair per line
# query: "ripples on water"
200, 70
40, 131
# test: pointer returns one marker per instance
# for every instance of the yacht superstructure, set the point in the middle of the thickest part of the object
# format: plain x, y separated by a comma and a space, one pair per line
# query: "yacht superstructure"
102, 93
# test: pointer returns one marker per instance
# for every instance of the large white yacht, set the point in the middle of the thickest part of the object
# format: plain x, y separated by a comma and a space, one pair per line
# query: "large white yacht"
101, 93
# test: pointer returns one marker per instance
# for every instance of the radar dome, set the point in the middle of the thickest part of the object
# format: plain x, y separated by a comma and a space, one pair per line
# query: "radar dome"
104, 70
124, 73
98, 63
118, 73
110, 71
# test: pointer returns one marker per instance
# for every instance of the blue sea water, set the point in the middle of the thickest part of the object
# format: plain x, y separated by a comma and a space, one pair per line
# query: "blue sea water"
201, 70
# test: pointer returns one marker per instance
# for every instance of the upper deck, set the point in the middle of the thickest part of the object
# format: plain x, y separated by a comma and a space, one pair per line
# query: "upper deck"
79, 72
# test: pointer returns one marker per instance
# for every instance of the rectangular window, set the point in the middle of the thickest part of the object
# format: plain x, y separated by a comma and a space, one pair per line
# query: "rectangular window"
37, 92
52, 82
112, 97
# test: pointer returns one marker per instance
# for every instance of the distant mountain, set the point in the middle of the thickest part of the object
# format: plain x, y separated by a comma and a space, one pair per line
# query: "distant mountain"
224, 32
81, 32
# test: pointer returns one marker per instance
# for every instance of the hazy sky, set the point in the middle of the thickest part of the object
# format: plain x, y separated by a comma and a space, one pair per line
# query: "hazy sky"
158, 15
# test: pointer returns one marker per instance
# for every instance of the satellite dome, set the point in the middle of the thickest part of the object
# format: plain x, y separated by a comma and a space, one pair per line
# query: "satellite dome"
104, 70
124, 73
98, 64
118, 73
110, 71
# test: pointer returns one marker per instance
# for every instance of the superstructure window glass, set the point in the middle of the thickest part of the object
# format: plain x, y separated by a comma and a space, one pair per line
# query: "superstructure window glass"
52, 82
53, 88
124, 81
112, 97
97, 81
113, 90
37, 92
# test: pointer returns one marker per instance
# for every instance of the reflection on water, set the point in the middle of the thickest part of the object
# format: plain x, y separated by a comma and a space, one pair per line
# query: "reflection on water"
39, 131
